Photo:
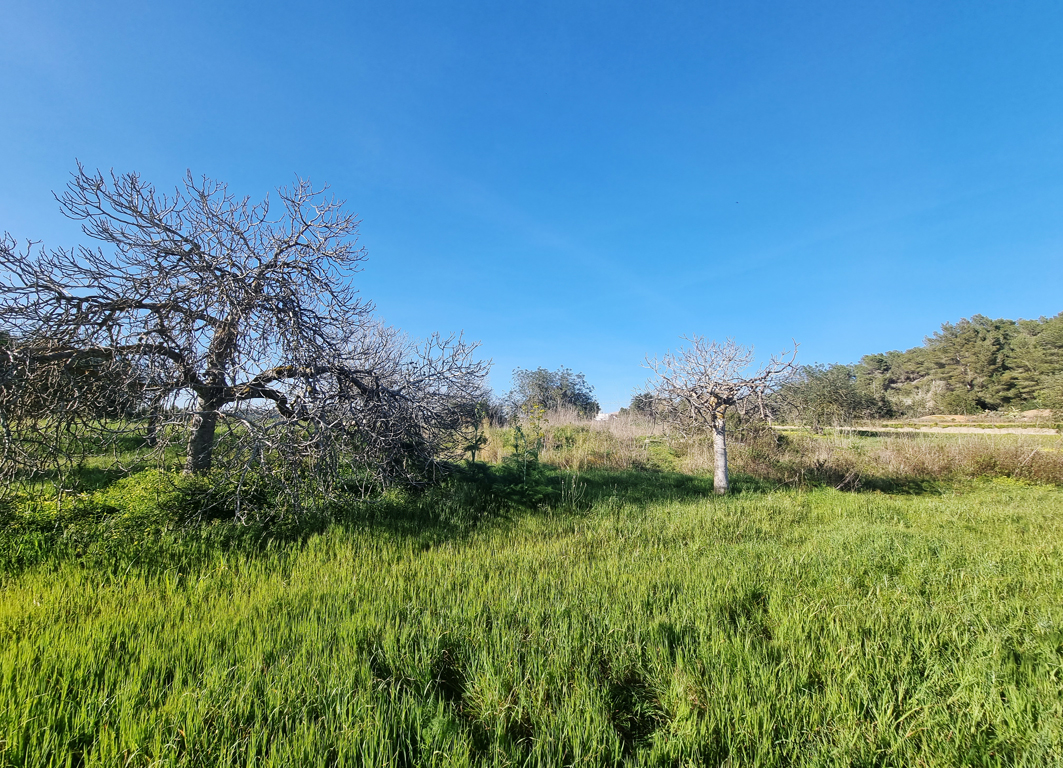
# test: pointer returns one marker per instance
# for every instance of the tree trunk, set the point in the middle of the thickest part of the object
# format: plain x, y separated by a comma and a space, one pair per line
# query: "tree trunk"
151, 439
201, 443
719, 465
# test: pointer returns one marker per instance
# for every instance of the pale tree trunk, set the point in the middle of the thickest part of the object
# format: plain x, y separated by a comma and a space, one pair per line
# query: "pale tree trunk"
719, 465
201, 443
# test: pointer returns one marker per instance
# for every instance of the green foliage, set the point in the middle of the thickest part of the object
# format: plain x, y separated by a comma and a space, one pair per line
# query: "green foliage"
528, 435
970, 356
973, 365
959, 401
642, 403
143, 511
477, 438
656, 625
553, 390
1050, 394
511, 485
822, 396
521, 479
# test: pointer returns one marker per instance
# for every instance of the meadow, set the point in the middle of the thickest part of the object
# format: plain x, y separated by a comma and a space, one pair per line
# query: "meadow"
620, 615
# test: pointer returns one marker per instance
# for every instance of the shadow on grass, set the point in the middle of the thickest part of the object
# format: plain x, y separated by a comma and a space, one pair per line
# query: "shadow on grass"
73, 480
901, 486
159, 538
796, 476
137, 527
641, 488
648, 487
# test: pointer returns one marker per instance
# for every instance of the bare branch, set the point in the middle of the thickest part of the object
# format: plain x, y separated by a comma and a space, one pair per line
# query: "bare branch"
229, 327
695, 386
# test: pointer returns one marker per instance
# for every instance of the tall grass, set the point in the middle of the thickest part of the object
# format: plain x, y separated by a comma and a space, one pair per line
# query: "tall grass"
796, 459
663, 627
853, 461
608, 611
576, 444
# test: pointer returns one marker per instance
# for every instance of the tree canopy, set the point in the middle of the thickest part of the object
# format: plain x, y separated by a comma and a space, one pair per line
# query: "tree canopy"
695, 386
972, 365
237, 330
827, 396
552, 390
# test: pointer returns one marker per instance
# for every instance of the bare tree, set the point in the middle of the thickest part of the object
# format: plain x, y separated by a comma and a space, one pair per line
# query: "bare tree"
231, 327
694, 387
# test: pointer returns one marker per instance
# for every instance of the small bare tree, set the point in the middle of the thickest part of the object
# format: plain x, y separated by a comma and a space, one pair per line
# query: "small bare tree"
694, 387
229, 327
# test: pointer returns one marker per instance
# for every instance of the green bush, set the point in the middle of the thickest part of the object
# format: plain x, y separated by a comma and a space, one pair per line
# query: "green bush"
959, 402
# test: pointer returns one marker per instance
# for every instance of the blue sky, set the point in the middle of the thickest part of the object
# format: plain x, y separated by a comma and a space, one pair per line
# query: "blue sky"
578, 183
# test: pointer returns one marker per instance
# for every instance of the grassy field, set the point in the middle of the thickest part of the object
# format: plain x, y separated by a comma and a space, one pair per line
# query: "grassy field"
637, 620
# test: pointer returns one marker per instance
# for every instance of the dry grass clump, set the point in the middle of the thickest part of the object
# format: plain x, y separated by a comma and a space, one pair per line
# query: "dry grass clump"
849, 463
793, 459
572, 443
846, 462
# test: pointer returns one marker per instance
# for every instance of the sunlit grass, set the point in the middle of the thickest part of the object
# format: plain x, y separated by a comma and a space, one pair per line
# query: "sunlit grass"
665, 627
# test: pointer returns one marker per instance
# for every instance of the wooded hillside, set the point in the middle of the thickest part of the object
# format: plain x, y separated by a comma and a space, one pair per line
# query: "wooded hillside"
973, 365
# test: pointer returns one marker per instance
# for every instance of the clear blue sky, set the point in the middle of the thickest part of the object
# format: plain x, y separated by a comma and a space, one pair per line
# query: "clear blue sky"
579, 183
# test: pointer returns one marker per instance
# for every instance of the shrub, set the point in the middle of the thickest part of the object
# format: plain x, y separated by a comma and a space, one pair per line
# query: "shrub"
959, 402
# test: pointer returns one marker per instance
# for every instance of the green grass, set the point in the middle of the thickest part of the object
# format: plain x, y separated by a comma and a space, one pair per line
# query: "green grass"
649, 622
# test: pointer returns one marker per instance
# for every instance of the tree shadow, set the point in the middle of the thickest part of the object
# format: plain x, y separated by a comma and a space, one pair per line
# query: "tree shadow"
644, 487
475, 497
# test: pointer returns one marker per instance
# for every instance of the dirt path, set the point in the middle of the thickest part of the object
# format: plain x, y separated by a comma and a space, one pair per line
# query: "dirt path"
958, 430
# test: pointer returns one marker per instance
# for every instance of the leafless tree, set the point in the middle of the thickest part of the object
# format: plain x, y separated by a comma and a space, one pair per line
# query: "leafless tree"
694, 387
229, 327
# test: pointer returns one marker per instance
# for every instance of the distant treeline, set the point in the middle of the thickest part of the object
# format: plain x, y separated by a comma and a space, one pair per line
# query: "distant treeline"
968, 367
